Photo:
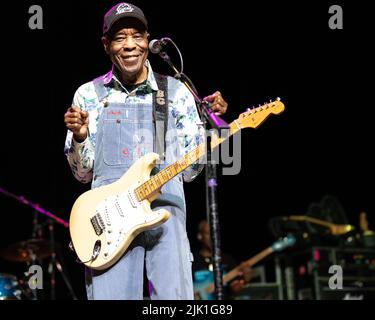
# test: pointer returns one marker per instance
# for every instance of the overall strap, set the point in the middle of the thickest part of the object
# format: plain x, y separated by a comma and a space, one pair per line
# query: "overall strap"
160, 113
100, 89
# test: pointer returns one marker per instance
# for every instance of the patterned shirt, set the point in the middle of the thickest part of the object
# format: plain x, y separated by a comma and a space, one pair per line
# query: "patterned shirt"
182, 109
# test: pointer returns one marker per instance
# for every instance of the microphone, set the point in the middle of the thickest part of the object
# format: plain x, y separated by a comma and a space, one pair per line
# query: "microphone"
156, 46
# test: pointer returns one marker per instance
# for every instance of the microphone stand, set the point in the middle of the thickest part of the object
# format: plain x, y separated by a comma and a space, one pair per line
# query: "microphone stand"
51, 267
55, 264
207, 115
37, 233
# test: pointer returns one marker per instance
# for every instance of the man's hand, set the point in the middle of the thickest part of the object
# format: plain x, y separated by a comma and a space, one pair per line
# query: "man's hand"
236, 286
77, 121
245, 274
218, 104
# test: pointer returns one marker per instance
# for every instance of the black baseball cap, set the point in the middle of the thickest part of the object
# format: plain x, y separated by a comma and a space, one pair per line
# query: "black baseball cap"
120, 11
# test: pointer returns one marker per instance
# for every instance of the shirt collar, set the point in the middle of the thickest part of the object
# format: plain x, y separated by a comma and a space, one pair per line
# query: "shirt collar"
110, 77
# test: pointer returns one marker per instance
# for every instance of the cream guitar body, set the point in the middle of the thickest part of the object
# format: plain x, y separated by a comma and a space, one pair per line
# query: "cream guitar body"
104, 221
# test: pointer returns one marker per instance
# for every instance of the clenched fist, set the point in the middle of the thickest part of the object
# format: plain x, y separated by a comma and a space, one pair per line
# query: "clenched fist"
77, 121
218, 104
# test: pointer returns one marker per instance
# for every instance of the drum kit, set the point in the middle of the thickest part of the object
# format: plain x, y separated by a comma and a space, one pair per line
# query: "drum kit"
28, 251
35, 253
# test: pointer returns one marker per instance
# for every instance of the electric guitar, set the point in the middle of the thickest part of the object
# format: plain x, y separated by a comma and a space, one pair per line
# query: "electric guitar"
104, 221
204, 285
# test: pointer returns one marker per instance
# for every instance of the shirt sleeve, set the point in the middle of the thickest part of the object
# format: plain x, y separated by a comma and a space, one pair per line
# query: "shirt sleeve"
190, 131
80, 156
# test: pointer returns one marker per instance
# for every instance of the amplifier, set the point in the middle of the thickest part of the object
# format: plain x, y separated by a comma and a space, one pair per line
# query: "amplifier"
352, 289
309, 274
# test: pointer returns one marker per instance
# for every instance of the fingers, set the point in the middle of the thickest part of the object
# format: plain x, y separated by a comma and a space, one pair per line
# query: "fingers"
236, 286
75, 118
74, 114
74, 108
212, 97
84, 114
77, 112
73, 126
235, 282
218, 104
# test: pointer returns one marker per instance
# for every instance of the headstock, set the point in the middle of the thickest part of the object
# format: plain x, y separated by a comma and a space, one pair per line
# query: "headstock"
253, 118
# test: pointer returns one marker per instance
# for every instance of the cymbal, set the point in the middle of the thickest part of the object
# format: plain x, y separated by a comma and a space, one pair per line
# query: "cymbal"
27, 250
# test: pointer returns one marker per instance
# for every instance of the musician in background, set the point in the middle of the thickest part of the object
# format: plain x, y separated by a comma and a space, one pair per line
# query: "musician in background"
203, 267
111, 125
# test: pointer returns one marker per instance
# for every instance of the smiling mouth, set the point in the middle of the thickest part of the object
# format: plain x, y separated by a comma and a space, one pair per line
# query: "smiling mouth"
130, 58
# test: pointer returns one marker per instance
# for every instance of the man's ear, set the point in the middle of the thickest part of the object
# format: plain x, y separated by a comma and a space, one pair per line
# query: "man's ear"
105, 43
199, 236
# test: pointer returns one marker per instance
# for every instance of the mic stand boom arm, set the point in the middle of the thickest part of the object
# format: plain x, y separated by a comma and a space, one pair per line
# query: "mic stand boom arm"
211, 177
209, 115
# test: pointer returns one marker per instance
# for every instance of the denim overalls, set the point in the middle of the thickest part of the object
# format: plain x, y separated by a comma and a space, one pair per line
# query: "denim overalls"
125, 133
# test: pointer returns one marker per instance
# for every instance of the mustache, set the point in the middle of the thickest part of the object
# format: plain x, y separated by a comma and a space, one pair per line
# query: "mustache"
118, 57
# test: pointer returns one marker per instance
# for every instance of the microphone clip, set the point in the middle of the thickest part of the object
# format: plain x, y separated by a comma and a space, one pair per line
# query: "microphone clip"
156, 46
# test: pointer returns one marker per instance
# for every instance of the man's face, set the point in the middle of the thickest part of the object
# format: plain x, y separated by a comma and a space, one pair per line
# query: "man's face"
127, 46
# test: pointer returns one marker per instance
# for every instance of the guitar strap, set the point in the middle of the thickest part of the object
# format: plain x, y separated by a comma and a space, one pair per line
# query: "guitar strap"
160, 114
159, 109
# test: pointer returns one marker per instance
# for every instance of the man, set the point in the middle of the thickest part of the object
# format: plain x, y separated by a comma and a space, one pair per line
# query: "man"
203, 268
112, 121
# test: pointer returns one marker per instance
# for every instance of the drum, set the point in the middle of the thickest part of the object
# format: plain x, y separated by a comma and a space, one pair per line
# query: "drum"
9, 287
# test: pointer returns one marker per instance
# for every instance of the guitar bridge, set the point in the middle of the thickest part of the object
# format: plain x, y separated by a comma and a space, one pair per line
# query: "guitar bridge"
98, 224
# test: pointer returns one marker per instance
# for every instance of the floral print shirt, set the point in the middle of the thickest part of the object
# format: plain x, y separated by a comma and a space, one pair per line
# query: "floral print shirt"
182, 108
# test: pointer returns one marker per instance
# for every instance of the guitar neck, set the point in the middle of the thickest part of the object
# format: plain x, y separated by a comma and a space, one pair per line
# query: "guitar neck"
312, 220
248, 263
154, 184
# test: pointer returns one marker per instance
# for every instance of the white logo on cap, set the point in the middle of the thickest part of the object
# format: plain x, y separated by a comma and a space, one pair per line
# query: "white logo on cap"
124, 7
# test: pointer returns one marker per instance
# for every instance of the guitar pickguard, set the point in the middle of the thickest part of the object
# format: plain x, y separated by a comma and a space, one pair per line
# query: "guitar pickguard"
120, 215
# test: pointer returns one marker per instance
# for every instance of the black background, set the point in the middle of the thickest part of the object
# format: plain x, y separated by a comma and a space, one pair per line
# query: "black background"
252, 53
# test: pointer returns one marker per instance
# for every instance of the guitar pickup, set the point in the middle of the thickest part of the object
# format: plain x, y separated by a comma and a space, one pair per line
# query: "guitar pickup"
118, 208
131, 199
